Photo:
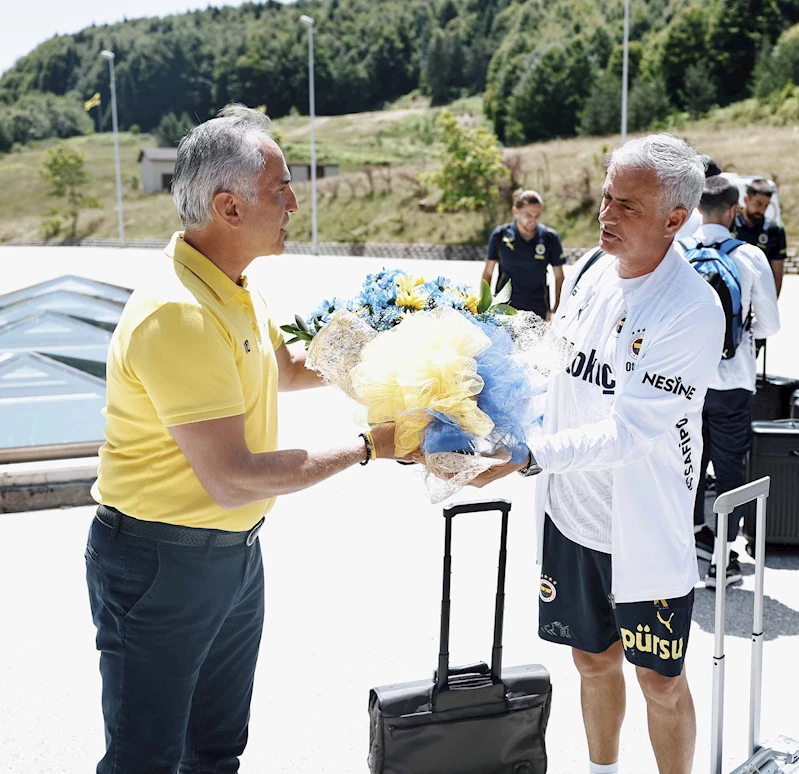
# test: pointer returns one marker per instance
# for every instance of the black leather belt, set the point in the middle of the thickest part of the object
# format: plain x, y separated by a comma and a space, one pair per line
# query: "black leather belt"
173, 533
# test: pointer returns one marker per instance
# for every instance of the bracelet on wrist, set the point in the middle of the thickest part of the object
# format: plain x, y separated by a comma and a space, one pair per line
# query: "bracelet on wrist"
371, 451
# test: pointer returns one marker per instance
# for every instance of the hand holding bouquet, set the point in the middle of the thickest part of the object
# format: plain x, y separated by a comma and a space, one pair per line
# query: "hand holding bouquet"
456, 371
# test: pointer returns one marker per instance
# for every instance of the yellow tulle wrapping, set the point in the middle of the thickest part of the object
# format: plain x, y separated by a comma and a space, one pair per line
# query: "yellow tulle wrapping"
427, 363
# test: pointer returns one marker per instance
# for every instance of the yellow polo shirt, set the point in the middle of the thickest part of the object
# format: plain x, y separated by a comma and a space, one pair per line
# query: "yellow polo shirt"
196, 347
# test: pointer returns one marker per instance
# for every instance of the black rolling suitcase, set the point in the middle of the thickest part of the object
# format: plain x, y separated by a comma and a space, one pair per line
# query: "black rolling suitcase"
773, 397
467, 720
775, 453
779, 755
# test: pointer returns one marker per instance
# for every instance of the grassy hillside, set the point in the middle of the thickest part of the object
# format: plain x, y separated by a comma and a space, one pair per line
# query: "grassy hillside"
383, 203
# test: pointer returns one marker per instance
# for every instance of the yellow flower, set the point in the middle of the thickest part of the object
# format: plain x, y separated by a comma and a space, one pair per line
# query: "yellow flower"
470, 301
408, 282
411, 299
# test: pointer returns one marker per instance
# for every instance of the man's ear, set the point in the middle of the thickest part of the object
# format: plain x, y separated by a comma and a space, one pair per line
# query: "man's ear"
226, 208
676, 220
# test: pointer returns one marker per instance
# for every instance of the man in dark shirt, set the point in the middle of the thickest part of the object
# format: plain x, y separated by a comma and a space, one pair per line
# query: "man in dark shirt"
523, 249
751, 225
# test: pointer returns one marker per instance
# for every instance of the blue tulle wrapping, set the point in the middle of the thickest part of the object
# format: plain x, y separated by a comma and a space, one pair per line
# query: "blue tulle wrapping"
506, 398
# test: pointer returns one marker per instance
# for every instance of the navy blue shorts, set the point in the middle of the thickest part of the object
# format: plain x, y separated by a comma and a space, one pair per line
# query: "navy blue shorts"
576, 608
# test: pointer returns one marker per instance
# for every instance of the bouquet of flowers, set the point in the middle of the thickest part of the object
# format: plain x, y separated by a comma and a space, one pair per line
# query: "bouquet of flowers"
457, 371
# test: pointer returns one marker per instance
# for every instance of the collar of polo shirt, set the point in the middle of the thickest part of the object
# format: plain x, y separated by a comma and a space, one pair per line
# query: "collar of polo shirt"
181, 251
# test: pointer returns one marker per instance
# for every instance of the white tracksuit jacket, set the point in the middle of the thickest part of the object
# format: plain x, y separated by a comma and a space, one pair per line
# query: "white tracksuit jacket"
652, 437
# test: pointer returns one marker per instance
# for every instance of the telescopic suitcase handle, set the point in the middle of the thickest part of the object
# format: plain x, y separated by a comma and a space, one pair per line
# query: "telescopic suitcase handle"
723, 506
473, 506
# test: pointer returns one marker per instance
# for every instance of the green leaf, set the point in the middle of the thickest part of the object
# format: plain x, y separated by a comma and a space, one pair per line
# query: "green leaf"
505, 309
292, 341
503, 296
485, 298
289, 329
301, 323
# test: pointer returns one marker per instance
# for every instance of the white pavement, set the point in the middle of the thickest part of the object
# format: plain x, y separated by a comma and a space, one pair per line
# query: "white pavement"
353, 572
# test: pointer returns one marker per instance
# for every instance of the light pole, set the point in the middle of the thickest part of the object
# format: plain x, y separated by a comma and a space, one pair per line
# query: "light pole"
309, 22
625, 71
109, 55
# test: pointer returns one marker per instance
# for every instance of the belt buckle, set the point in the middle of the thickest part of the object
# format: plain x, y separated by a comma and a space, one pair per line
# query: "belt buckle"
253, 533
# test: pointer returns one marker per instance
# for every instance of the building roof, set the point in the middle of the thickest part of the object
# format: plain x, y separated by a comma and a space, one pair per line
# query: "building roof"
159, 154
46, 403
54, 339
64, 302
58, 334
87, 287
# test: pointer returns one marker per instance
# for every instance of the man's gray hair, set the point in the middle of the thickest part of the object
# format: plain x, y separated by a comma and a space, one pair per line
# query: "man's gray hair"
223, 154
679, 169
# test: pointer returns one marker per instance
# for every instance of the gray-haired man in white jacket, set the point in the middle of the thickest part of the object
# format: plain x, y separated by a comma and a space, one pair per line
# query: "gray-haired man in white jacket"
619, 458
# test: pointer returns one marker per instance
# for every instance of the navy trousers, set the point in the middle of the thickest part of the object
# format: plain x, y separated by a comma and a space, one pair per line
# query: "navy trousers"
178, 630
727, 436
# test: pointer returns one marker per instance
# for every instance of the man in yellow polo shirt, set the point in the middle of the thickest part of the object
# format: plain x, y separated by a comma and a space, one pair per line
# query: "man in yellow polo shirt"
191, 465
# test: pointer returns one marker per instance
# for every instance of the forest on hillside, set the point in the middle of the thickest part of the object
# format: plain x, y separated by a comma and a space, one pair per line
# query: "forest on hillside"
546, 68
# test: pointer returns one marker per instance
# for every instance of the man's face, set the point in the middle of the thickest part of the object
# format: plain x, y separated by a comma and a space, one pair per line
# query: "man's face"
266, 221
527, 218
755, 207
630, 218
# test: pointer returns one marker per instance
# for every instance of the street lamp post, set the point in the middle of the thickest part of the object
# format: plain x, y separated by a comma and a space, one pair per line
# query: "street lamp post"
309, 22
625, 71
109, 55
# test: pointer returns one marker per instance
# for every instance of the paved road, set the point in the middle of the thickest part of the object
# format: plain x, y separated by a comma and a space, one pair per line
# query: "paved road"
353, 579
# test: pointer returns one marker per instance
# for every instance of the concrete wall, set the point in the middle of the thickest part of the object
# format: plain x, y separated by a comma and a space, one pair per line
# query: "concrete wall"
152, 174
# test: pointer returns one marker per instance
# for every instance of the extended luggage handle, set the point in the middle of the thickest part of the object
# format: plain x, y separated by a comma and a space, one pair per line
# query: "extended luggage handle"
729, 501
473, 506
723, 506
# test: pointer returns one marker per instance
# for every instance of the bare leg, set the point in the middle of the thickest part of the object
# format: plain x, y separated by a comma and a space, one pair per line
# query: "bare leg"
671, 718
603, 697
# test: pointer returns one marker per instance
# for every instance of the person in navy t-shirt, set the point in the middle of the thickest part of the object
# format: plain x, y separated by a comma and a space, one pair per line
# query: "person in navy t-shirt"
752, 226
523, 249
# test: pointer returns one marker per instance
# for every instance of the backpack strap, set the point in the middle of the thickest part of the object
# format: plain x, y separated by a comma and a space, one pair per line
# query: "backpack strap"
588, 264
728, 245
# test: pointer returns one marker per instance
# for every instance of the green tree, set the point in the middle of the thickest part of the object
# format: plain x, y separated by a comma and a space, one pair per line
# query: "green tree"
766, 78
438, 69
6, 137
552, 87
699, 91
63, 170
740, 30
789, 9
686, 44
172, 128
777, 66
470, 170
635, 55
601, 113
649, 102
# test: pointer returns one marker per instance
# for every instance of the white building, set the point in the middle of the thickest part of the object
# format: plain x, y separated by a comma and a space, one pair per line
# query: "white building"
157, 168
302, 172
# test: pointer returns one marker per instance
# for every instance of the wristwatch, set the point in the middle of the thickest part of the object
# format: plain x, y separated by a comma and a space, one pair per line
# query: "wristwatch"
532, 468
